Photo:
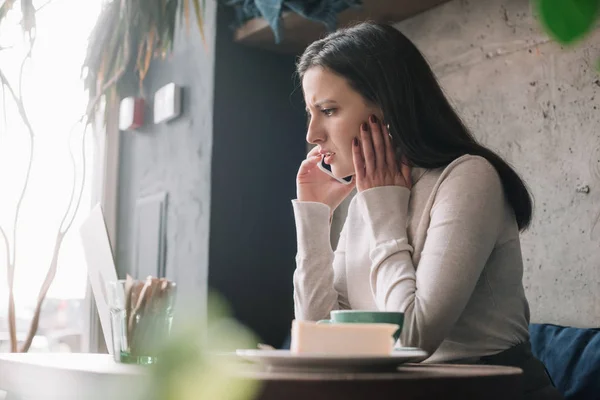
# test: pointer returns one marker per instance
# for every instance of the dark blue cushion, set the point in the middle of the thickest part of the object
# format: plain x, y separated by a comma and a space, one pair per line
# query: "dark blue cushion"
571, 356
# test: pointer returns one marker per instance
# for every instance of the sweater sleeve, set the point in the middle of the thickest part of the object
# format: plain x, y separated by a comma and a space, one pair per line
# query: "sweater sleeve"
316, 290
465, 222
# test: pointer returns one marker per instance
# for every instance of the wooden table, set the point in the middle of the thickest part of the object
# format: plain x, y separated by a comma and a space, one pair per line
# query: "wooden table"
412, 381
67, 376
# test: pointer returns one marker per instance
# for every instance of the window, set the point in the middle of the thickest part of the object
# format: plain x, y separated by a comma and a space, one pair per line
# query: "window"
54, 98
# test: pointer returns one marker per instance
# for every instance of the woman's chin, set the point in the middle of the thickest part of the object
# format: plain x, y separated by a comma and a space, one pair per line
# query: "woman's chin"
341, 173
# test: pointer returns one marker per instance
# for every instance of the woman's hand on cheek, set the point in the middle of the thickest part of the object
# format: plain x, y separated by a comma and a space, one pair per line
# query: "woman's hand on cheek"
375, 159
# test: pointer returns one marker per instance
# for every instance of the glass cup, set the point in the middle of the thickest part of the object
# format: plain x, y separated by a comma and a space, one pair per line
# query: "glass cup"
141, 314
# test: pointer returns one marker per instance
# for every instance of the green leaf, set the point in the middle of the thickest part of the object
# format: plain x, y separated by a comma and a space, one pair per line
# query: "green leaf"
568, 20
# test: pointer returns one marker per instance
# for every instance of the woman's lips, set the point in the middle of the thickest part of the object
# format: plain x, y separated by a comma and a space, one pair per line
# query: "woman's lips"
327, 156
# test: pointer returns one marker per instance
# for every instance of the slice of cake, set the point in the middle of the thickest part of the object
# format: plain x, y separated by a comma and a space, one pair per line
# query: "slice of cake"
345, 339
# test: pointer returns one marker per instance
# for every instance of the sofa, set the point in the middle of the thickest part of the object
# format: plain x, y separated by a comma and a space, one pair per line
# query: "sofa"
571, 356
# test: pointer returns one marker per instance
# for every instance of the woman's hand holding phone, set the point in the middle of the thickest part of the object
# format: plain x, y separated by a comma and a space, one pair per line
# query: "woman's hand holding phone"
312, 184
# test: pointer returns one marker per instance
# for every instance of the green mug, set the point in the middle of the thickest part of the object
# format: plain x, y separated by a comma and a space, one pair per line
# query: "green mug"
368, 317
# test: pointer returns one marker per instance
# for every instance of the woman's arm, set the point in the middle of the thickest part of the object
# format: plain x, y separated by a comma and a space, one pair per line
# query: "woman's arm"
317, 290
465, 222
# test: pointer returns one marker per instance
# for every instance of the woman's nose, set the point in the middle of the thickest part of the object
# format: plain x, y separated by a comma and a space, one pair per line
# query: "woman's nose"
315, 134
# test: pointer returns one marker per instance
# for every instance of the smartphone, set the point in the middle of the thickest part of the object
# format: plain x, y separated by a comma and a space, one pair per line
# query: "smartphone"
327, 169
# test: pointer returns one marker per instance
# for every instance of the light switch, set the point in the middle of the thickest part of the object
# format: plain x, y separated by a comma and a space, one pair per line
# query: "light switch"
167, 103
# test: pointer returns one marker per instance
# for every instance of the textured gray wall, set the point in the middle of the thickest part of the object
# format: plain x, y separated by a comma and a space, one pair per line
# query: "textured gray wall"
537, 105
175, 158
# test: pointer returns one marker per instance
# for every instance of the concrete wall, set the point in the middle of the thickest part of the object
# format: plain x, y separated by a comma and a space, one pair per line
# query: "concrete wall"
537, 104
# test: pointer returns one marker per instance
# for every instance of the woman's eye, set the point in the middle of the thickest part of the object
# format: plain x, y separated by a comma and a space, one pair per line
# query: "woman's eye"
328, 111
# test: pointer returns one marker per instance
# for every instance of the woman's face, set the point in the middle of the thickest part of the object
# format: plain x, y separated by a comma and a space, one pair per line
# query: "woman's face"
335, 112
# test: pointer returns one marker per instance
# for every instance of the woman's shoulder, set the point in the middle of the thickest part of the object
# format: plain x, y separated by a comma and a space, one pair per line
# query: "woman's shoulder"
472, 170
468, 163
469, 185
466, 178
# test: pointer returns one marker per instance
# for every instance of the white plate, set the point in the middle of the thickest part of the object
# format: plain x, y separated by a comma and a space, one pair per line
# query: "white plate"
284, 360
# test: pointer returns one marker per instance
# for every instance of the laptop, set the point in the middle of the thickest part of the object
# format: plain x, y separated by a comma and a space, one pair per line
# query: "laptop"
101, 266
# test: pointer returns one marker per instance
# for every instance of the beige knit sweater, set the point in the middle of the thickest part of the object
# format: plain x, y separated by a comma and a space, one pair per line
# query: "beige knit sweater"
446, 253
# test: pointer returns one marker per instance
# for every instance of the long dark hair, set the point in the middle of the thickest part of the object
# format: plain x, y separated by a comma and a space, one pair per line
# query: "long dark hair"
388, 70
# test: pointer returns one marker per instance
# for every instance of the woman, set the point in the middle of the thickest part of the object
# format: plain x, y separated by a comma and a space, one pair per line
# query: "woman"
433, 230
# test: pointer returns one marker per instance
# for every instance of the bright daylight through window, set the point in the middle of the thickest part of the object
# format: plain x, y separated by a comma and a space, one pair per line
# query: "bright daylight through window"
53, 98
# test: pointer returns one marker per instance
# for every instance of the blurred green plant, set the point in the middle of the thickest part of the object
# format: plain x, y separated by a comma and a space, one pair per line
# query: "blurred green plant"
198, 360
568, 21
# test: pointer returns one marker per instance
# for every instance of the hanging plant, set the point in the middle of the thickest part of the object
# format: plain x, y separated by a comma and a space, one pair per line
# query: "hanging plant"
127, 36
